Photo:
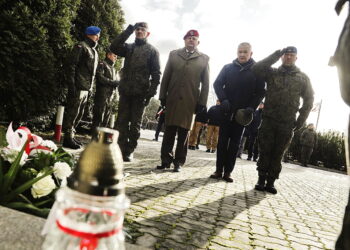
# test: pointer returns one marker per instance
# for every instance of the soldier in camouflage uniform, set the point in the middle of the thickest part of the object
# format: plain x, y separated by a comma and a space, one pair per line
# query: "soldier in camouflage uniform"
81, 76
140, 78
106, 83
285, 86
308, 141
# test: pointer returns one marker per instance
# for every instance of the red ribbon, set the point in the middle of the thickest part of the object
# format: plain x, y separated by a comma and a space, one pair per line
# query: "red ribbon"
89, 241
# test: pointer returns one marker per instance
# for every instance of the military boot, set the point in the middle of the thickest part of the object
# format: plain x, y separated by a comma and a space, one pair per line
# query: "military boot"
270, 186
69, 142
260, 186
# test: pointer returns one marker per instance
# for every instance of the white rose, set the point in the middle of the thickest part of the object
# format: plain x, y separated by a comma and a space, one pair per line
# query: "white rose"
10, 155
50, 144
43, 187
62, 170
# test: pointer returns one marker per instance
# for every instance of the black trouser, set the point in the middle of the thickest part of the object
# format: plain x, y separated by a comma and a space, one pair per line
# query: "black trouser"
230, 135
159, 126
253, 149
306, 153
76, 102
167, 155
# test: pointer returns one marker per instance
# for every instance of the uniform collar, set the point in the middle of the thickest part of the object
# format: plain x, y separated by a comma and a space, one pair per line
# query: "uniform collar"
109, 61
91, 43
183, 53
291, 69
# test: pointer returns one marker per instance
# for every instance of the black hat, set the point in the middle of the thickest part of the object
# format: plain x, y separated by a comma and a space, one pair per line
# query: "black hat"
141, 24
291, 49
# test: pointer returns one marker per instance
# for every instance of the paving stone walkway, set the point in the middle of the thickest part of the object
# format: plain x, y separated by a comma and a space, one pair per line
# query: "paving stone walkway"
188, 210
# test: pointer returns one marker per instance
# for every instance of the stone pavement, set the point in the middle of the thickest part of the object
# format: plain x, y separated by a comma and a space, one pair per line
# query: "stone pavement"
187, 210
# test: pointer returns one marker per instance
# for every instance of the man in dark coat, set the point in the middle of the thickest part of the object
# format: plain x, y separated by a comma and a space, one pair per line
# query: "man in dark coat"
237, 88
200, 121
81, 77
140, 78
252, 128
308, 141
214, 119
106, 83
184, 92
160, 116
285, 86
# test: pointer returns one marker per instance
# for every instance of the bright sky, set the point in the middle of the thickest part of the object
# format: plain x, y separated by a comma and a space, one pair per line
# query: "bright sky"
310, 25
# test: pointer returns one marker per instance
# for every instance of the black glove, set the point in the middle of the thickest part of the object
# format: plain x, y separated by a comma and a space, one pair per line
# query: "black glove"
248, 111
226, 106
199, 108
162, 102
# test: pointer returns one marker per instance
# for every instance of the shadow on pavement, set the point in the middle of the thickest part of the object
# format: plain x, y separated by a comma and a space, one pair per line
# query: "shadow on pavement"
138, 194
195, 226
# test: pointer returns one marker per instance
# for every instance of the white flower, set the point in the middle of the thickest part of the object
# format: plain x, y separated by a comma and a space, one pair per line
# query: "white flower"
62, 170
50, 144
43, 187
10, 154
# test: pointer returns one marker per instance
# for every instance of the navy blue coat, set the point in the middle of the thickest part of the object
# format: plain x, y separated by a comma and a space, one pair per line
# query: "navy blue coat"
253, 127
214, 115
202, 116
238, 84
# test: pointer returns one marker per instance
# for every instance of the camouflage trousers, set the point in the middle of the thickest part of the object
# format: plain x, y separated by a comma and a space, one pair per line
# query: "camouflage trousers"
76, 102
273, 139
130, 111
306, 153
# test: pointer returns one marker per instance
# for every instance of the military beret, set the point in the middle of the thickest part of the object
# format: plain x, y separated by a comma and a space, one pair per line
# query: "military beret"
92, 30
243, 118
291, 49
191, 33
141, 24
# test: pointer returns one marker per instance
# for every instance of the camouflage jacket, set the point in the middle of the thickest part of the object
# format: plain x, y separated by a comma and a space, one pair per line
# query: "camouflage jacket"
106, 80
82, 65
284, 89
140, 75
308, 138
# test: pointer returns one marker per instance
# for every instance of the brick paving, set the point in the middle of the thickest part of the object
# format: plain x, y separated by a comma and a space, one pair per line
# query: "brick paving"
188, 210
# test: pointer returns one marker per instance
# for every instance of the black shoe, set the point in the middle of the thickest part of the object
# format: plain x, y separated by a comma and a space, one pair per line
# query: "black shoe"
216, 175
227, 178
249, 158
260, 186
177, 168
155, 139
163, 166
208, 151
128, 157
213, 150
197, 147
270, 186
192, 147
255, 160
70, 143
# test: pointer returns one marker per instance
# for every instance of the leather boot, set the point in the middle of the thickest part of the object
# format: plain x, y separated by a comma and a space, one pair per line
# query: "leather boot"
216, 175
227, 178
260, 186
270, 186
69, 142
